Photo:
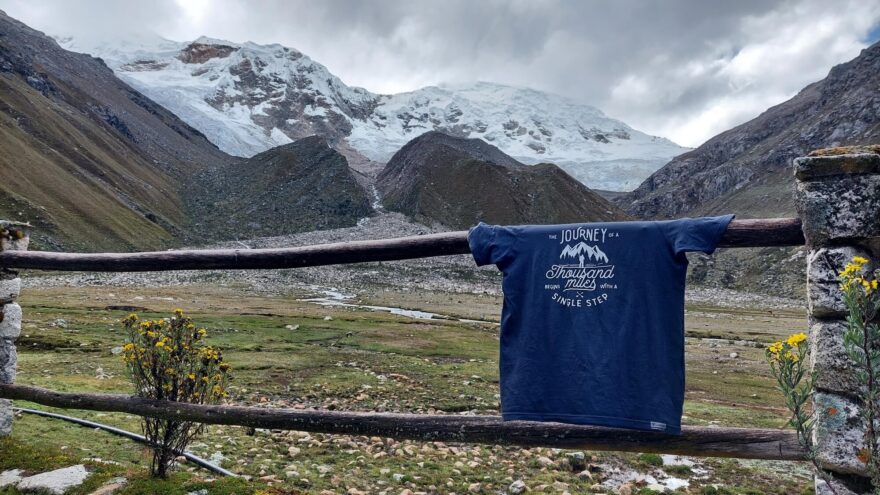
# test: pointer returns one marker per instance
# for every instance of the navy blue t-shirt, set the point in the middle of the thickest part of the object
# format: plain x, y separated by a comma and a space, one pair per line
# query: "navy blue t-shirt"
592, 330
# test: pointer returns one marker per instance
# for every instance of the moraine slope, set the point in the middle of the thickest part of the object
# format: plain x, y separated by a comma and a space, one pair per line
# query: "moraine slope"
456, 182
296, 187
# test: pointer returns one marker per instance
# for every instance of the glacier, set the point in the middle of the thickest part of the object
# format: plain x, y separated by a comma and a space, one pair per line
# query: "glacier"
247, 98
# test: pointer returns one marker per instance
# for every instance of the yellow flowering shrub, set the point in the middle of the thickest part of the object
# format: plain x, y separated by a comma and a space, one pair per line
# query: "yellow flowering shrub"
854, 279
784, 354
788, 363
168, 359
858, 284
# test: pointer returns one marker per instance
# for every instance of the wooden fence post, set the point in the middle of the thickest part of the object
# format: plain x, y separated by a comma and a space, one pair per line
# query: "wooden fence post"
838, 199
13, 237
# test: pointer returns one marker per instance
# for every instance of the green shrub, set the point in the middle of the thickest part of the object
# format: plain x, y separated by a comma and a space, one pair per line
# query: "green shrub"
679, 470
651, 459
167, 359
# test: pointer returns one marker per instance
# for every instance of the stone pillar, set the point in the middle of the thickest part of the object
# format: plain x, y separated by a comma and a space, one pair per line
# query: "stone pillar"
838, 199
13, 237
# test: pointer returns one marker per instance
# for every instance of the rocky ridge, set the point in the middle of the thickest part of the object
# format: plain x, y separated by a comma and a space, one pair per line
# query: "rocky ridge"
91, 161
457, 182
301, 186
747, 170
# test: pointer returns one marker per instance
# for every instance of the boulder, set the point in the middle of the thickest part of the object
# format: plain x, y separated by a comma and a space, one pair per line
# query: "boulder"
10, 477
10, 324
55, 482
838, 197
111, 487
517, 487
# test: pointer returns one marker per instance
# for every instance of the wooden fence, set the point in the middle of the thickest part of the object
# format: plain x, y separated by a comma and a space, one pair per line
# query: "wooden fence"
697, 441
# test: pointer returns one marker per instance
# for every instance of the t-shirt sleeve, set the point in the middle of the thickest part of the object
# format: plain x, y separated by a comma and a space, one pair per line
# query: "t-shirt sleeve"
490, 244
698, 234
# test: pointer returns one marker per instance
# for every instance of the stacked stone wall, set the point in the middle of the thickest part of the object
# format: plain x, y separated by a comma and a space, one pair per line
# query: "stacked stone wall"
13, 237
838, 199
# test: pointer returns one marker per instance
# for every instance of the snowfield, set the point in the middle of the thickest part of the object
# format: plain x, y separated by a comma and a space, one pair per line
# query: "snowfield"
247, 98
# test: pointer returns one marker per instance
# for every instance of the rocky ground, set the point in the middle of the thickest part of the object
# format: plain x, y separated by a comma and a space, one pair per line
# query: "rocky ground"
453, 274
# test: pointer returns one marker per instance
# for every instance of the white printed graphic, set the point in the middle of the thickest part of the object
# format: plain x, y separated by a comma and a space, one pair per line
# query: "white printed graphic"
584, 275
593, 253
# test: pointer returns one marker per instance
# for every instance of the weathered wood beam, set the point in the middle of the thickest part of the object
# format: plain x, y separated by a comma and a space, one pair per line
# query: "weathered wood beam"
740, 233
694, 441
763, 232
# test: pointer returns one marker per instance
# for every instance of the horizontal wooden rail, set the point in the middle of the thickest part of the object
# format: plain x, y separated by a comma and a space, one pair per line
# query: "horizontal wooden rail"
741, 233
694, 441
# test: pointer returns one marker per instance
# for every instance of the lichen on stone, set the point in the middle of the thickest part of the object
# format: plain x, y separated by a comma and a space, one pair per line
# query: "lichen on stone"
846, 150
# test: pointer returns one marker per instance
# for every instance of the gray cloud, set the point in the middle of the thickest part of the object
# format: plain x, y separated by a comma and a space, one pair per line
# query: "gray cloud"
684, 69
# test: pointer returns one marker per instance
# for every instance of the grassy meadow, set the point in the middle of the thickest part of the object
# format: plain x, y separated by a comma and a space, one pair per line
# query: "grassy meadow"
290, 353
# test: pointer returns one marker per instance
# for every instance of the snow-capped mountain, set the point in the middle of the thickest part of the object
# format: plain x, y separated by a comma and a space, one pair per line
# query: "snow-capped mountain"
247, 98
529, 125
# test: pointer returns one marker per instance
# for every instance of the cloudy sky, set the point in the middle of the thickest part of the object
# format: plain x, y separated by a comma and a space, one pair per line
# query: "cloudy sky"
683, 69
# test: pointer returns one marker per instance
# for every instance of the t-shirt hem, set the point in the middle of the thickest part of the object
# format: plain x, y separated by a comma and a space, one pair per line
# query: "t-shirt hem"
635, 424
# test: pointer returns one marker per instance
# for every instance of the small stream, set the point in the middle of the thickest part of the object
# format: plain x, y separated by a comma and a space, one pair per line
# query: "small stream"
332, 297
377, 199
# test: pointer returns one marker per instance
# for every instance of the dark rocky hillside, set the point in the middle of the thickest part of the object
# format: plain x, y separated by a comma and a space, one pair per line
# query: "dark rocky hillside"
91, 161
301, 186
437, 178
747, 170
